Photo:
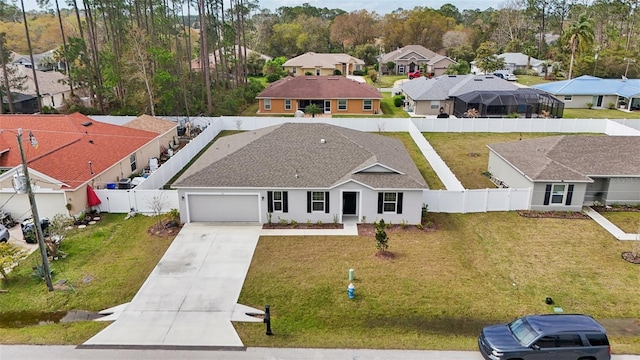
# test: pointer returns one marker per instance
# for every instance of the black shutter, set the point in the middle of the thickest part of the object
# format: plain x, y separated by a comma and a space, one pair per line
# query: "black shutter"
569, 195
380, 200
270, 201
285, 201
547, 194
308, 201
326, 202
399, 203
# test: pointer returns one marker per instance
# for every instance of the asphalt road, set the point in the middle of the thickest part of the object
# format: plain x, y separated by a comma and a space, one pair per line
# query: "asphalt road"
35, 352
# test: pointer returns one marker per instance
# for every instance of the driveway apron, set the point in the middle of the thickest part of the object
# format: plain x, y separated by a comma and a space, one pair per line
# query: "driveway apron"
190, 298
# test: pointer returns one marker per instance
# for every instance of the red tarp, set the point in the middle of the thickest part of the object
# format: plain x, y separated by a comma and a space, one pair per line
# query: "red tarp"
92, 198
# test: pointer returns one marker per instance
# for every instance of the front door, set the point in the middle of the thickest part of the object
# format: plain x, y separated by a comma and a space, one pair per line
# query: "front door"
327, 106
349, 203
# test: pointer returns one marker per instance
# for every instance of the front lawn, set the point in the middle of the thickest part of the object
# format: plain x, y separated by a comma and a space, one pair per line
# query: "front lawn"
627, 221
442, 287
105, 266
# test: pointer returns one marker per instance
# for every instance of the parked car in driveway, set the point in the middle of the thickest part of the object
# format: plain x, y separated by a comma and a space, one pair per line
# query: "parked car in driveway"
415, 74
510, 77
4, 234
29, 229
550, 336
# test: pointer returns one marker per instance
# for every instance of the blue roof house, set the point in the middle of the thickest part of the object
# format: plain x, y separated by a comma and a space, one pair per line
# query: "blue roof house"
601, 93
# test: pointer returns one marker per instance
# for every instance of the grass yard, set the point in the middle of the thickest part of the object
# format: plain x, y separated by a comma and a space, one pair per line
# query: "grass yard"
627, 221
442, 287
427, 172
599, 114
105, 265
531, 80
455, 150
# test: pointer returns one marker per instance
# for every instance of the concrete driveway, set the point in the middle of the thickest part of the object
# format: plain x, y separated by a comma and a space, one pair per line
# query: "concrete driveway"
190, 298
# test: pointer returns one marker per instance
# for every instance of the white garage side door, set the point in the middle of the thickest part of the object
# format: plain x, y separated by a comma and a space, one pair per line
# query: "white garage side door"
223, 208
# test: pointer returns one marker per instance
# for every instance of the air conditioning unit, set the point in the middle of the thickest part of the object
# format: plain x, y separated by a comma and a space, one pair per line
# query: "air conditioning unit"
124, 183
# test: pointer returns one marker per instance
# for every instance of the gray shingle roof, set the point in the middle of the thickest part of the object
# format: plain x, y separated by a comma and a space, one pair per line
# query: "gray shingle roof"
408, 51
573, 157
272, 157
446, 86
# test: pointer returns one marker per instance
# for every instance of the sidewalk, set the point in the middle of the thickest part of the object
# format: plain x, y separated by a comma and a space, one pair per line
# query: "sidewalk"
609, 226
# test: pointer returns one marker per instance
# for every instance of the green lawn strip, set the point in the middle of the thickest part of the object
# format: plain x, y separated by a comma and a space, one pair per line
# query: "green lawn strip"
427, 172
105, 266
627, 221
386, 81
53, 334
531, 80
456, 149
599, 114
441, 288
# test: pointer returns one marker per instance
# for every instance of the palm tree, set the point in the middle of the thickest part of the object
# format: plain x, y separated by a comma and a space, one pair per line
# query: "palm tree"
580, 37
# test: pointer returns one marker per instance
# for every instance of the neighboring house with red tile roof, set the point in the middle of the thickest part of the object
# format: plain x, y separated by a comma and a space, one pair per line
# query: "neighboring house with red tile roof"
332, 94
322, 64
72, 151
570, 171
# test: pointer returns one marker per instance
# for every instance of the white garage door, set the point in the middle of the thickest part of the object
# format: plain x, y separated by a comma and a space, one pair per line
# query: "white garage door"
220, 208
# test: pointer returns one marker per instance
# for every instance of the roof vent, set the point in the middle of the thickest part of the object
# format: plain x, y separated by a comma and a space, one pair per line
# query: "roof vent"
323, 141
477, 79
87, 123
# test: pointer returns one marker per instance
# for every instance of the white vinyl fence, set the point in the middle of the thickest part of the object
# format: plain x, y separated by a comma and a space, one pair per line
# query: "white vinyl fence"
455, 199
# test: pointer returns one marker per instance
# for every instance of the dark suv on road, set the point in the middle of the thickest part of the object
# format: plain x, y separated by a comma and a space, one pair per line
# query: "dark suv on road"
543, 337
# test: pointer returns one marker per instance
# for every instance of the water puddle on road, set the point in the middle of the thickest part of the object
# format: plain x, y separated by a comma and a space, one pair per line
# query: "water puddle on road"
18, 319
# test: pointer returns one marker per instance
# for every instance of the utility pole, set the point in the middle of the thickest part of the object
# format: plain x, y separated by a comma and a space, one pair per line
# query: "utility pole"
34, 210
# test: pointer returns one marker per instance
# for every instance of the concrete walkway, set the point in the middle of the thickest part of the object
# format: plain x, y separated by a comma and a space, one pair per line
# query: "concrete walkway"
609, 226
190, 299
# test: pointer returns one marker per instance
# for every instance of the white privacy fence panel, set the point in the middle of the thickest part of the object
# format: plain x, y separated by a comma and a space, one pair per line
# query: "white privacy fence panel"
478, 200
632, 123
141, 201
361, 124
180, 159
437, 164
616, 129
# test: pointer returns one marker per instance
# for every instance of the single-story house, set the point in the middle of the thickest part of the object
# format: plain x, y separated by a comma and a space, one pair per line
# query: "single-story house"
214, 57
322, 64
22, 103
305, 172
490, 95
577, 93
413, 57
67, 153
518, 61
567, 172
332, 94
52, 85
44, 61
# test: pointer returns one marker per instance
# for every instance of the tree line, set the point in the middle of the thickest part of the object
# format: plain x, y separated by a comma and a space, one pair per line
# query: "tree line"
134, 56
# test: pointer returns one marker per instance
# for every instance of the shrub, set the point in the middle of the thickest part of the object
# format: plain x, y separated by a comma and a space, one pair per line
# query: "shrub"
589, 105
611, 106
398, 100
357, 72
382, 240
273, 77
338, 72
308, 73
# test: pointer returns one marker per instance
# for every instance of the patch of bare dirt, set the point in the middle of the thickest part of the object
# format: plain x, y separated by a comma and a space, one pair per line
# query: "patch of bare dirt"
630, 257
553, 214
370, 229
385, 255
165, 228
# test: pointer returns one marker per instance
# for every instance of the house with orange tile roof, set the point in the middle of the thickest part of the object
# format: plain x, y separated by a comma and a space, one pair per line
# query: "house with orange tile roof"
332, 94
65, 154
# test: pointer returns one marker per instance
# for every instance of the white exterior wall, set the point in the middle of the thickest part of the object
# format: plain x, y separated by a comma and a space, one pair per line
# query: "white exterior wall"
539, 190
580, 101
623, 190
504, 172
297, 204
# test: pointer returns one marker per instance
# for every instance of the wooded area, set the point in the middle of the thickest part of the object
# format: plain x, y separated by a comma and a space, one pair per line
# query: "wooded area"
134, 56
